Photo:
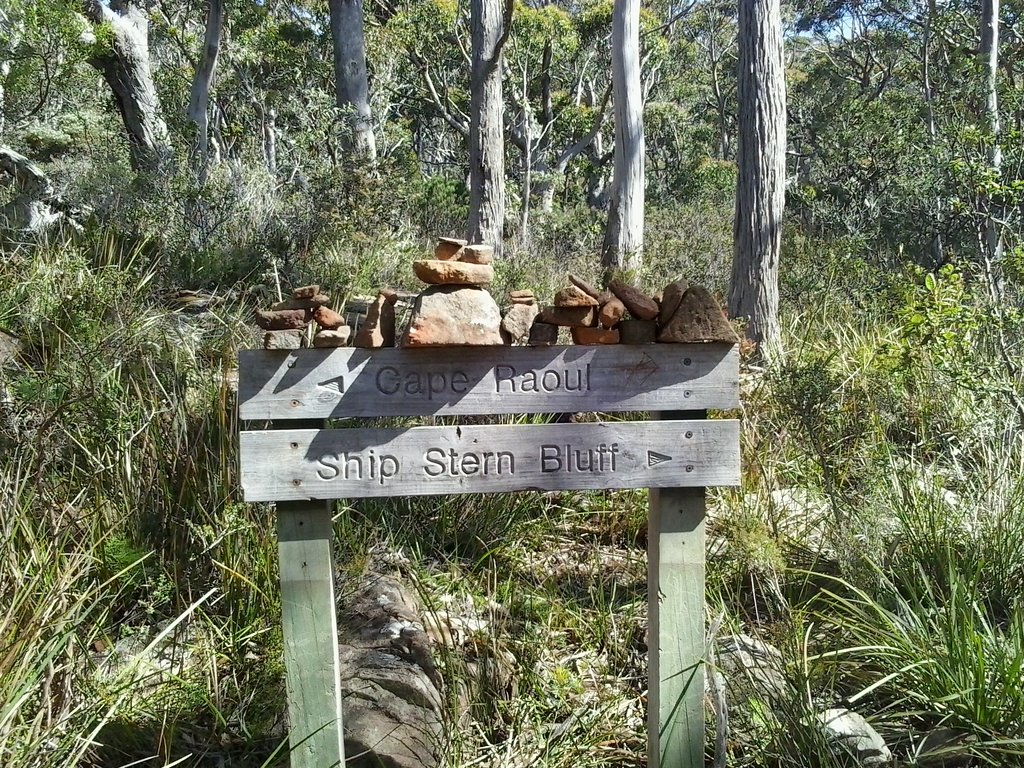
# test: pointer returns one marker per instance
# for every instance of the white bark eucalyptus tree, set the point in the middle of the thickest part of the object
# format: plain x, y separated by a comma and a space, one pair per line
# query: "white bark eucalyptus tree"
490, 24
351, 82
761, 182
624, 233
199, 99
124, 64
989, 55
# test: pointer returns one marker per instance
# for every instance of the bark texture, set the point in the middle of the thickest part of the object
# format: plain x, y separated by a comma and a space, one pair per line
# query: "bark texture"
36, 207
199, 99
489, 25
624, 233
126, 69
760, 187
351, 82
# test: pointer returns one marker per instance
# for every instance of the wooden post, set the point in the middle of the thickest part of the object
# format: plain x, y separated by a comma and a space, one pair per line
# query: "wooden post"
315, 732
675, 604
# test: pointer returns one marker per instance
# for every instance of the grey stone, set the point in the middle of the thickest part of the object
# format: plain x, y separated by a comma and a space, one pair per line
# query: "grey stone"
282, 339
752, 668
518, 320
10, 349
390, 684
855, 734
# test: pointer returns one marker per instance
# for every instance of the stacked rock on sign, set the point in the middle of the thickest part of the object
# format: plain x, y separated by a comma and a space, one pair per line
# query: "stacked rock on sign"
378, 328
456, 310
518, 322
286, 321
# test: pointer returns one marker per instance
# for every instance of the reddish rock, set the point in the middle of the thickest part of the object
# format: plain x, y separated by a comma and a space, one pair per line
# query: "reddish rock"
586, 287
476, 254
390, 296
436, 272
317, 301
593, 336
543, 335
640, 305
698, 319
447, 248
518, 321
328, 319
638, 331
568, 316
282, 340
574, 297
521, 297
450, 316
337, 337
378, 330
306, 292
283, 320
670, 298
611, 312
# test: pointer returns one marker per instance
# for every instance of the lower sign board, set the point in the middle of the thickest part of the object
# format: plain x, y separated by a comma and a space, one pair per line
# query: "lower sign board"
287, 465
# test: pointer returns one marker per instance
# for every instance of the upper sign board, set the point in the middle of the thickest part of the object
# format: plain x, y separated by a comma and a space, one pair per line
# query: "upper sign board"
449, 381
301, 464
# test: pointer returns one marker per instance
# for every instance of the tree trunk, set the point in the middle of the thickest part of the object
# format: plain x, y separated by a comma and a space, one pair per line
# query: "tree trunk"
199, 101
989, 53
760, 186
938, 249
489, 25
351, 82
35, 207
125, 67
624, 234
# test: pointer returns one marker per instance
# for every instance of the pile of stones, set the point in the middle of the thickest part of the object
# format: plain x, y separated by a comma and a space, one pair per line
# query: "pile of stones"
287, 323
456, 309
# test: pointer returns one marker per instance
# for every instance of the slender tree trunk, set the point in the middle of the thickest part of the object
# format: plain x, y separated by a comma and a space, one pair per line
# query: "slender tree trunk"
760, 188
938, 250
199, 101
126, 68
989, 53
489, 25
351, 81
624, 233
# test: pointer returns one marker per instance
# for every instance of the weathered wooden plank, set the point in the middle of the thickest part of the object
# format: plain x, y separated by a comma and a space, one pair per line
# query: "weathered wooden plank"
675, 621
485, 380
310, 633
354, 463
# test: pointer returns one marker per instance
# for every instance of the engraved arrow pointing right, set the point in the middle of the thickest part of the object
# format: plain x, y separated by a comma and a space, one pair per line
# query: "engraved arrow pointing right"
654, 458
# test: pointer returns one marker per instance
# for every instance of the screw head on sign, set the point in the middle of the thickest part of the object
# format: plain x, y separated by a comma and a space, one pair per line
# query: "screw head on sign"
297, 482
688, 436
686, 361
689, 468
295, 403
296, 445
686, 393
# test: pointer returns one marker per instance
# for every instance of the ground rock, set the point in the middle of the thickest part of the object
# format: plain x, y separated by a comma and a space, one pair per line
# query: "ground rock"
390, 684
378, 329
284, 320
611, 312
282, 339
638, 331
856, 735
543, 334
571, 296
333, 337
671, 296
594, 336
698, 319
10, 349
946, 748
567, 316
439, 272
640, 305
752, 668
518, 321
450, 315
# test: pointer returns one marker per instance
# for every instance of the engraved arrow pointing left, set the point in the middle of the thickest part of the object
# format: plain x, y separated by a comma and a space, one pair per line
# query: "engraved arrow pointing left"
335, 386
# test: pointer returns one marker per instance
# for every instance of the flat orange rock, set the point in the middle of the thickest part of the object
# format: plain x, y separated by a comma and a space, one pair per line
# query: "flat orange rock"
439, 272
594, 336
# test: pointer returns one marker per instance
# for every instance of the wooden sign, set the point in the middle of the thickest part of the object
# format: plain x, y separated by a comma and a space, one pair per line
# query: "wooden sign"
288, 465
343, 383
